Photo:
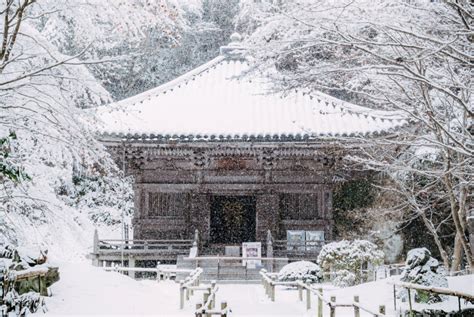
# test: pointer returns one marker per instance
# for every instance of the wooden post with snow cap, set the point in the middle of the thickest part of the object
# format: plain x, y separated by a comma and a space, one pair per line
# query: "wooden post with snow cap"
320, 302
224, 309
181, 294
272, 288
198, 310
213, 299
308, 297
356, 308
205, 297
300, 291
332, 306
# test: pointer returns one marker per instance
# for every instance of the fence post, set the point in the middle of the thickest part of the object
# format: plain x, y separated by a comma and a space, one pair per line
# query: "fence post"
382, 310
409, 303
187, 291
272, 287
224, 308
356, 308
213, 299
394, 298
333, 306
205, 297
308, 298
181, 295
300, 291
198, 308
320, 302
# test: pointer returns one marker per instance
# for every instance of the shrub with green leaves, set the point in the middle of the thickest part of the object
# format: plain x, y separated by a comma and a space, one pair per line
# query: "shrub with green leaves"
350, 256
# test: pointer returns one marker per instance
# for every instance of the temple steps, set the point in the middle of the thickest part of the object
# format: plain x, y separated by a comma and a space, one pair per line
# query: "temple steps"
225, 270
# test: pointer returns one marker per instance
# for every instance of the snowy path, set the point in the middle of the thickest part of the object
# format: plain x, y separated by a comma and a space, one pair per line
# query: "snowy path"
87, 290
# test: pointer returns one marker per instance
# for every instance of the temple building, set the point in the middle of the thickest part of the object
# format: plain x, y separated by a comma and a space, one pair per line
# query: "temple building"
218, 151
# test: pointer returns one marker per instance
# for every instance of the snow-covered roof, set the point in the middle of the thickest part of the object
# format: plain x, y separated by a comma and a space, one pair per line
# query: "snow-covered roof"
216, 102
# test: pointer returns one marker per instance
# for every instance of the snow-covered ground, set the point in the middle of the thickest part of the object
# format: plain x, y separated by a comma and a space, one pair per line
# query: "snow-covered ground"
86, 290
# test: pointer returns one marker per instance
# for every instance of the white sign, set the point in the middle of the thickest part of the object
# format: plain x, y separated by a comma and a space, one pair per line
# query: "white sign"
314, 239
251, 250
296, 240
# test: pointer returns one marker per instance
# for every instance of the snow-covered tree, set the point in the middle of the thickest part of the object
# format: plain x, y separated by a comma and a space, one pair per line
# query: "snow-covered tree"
414, 57
42, 94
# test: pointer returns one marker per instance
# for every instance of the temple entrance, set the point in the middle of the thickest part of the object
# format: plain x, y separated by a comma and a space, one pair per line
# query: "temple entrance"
232, 219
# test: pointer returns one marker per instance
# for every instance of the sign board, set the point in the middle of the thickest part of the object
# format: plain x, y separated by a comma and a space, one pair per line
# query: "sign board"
314, 239
296, 240
251, 250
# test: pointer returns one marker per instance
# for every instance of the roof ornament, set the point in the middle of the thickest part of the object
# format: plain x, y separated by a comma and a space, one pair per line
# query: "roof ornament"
235, 49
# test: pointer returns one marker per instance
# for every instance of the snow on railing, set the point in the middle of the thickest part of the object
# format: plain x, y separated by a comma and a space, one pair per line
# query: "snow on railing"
269, 282
430, 289
161, 273
208, 305
189, 285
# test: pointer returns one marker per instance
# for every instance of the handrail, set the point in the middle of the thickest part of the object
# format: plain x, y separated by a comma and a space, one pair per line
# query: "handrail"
188, 285
434, 289
269, 284
147, 241
232, 258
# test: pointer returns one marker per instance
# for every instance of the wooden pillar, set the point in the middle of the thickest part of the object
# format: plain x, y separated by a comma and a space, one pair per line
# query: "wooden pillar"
267, 206
269, 244
201, 219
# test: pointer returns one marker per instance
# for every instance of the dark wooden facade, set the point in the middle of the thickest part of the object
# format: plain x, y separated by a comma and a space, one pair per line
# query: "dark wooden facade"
289, 185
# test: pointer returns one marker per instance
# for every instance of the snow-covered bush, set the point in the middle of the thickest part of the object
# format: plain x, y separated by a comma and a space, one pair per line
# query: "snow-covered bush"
421, 268
305, 271
344, 278
350, 256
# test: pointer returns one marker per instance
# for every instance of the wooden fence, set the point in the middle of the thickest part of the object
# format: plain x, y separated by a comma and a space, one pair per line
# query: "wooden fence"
162, 273
269, 283
207, 307
143, 246
189, 285
430, 289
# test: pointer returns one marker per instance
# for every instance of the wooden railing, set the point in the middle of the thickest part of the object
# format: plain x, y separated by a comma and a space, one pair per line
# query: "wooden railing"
430, 289
189, 285
208, 305
144, 246
269, 283
162, 273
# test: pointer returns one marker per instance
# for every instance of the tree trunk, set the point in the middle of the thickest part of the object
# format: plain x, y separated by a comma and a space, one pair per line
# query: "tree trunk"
457, 255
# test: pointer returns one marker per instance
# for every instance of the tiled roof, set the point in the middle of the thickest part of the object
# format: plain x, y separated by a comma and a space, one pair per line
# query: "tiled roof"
215, 102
